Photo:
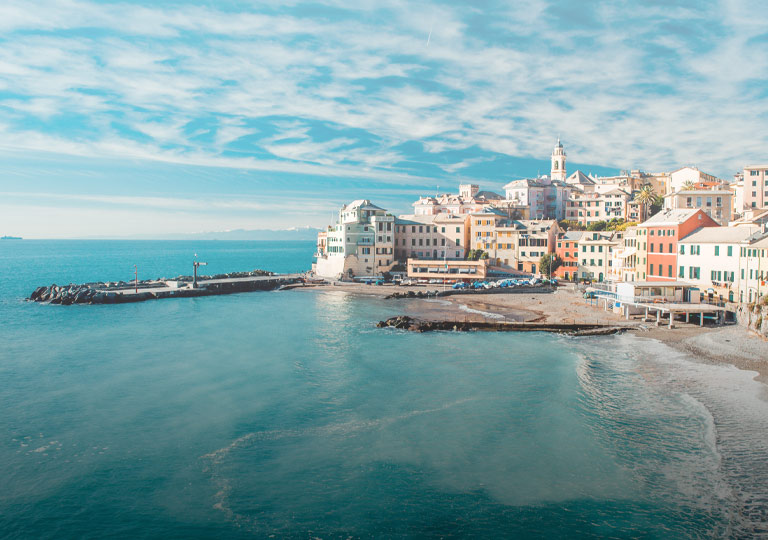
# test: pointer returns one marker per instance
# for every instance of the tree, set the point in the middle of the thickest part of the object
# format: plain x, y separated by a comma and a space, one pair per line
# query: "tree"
646, 197
688, 185
569, 225
549, 263
624, 226
597, 226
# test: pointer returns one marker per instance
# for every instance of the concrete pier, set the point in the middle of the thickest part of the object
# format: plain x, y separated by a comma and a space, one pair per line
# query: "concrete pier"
126, 292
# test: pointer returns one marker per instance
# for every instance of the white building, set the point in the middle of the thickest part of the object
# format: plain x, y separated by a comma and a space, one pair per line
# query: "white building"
709, 257
685, 175
361, 243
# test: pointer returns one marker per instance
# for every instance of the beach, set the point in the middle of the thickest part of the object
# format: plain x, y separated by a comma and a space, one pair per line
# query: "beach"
728, 344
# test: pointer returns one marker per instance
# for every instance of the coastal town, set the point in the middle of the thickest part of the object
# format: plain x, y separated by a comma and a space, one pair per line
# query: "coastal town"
684, 230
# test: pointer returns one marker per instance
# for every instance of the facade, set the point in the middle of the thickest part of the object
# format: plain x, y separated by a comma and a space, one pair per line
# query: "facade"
710, 258
755, 188
585, 207
568, 250
661, 234
624, 262
440, 236
716, 203
512, 244
361, 243
753, 268
596, 253
449, 271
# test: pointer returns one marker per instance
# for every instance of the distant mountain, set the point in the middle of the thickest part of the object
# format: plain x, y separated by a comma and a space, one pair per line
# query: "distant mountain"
296, 233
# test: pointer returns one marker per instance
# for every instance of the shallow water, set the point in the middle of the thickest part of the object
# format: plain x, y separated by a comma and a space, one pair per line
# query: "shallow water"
289, 413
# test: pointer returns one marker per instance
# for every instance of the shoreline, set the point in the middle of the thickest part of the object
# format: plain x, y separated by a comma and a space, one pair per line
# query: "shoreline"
730, 344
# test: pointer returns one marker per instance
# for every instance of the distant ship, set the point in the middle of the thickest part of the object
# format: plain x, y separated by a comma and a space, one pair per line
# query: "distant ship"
10, 238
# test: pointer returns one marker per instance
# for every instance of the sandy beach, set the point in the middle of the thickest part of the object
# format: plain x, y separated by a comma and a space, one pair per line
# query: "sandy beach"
730, 344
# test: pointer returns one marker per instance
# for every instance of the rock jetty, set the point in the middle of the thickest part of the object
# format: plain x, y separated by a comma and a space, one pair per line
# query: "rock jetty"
403, 322
121, 292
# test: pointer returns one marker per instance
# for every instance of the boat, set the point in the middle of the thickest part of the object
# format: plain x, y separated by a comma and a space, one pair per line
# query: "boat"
10, 238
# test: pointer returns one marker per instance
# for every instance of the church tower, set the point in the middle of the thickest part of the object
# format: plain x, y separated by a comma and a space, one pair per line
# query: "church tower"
558, 162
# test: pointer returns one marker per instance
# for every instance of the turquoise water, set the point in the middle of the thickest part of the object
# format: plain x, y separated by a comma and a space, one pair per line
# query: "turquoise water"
289, 414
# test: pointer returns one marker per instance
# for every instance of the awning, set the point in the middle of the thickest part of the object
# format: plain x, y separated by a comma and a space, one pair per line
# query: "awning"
463, 270
443, 270
433, 270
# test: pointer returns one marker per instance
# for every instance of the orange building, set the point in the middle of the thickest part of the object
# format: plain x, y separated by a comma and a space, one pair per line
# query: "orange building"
660, 235
568, 251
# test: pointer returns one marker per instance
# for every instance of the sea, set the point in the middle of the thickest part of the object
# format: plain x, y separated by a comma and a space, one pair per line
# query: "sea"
288, 414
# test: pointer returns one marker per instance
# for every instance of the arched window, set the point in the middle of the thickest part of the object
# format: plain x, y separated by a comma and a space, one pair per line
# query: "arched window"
556, 163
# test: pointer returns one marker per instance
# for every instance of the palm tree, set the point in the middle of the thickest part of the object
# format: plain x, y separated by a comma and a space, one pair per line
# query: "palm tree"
688, 185
646, 197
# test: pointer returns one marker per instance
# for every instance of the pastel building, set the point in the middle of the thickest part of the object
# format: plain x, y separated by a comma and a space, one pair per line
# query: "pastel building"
684, 176
512, 244
755, 189
360, 243
596, 254
545, 196
716, 203
469, 199
568, 251
586, 207
710, 258
624, 262
661, 234
437, 236
753, 268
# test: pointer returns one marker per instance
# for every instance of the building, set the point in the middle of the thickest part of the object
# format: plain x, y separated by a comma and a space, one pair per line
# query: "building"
512, 244
755, 188
469, 199
557, 171
691, 176
709, 257
436, 236
753, 268
624, 262
450, 271
545, 197
586, 207
568, 251
596, 253
716, 203
660, 234
361, 243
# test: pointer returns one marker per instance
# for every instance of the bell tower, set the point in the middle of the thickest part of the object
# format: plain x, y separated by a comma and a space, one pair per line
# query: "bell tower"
558, 162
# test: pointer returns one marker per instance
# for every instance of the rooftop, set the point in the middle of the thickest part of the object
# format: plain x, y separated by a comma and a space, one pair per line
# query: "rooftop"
670, 217
720, 235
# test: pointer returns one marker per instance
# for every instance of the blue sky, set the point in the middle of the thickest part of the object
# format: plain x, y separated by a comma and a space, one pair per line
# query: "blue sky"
128, 118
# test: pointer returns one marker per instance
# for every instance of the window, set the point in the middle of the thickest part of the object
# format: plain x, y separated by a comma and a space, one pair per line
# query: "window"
671, 249
681, 274
717, 251
730, 251
650, 270
669, 271
682, 251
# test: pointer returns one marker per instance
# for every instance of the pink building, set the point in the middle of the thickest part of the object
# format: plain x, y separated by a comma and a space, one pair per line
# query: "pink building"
755, 189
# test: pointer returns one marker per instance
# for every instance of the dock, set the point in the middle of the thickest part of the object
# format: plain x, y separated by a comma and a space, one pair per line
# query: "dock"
182, 287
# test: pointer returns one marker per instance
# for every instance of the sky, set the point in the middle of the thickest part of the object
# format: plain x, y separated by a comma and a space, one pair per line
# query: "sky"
135, 118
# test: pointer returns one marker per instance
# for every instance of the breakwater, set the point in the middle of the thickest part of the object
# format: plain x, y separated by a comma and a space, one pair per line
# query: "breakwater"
122, 292
403, 322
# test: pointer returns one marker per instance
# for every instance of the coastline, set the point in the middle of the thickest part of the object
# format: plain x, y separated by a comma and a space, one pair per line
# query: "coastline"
730, 344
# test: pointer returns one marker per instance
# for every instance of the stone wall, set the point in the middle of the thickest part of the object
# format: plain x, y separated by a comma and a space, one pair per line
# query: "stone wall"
754, 317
